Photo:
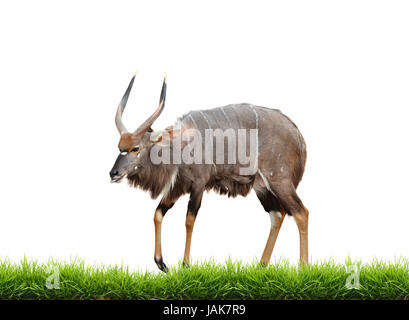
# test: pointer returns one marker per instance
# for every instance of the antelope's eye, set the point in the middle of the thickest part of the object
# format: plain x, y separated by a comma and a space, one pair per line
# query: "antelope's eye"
136, 149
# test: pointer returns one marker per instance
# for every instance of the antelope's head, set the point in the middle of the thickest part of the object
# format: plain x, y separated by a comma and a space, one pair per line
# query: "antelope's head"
134, 146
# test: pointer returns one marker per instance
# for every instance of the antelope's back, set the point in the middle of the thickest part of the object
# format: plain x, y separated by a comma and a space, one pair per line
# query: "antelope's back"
281, 150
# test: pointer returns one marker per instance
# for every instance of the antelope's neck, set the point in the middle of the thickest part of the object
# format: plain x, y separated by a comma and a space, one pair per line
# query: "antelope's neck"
157, 179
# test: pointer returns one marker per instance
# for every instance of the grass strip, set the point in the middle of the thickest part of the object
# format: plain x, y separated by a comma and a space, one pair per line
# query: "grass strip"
206, 280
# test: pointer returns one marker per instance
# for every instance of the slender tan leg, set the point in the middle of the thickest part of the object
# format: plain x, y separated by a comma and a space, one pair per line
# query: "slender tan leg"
157, 219
190, 222
192, 210
301, 219
277, 219
163, 207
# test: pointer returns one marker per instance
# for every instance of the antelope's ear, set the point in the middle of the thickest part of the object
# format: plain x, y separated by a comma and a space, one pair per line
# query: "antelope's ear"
156, 136
172, 132
164, 137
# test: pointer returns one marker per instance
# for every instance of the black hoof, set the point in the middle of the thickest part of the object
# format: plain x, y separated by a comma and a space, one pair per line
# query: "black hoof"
185, 264
161, 265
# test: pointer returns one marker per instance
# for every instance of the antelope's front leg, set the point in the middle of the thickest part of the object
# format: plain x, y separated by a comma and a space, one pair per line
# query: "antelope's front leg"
192, 210
160, 212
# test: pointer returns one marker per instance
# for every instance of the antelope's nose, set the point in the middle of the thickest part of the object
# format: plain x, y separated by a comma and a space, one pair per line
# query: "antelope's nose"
113, 173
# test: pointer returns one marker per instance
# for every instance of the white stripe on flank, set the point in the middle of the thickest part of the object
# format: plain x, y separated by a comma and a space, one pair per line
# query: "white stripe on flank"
208, 124
204, 117
266, 182
227, 118
193, 120
256, 114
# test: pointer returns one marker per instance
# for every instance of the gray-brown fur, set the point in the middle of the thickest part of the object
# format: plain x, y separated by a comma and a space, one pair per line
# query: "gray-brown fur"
282, 155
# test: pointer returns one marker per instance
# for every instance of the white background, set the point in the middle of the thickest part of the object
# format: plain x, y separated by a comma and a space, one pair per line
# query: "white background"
339, 69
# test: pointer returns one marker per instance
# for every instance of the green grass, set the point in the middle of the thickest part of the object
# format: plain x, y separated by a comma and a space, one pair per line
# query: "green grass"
232, 280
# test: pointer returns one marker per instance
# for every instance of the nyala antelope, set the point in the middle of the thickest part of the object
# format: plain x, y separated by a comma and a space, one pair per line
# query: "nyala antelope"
281, 157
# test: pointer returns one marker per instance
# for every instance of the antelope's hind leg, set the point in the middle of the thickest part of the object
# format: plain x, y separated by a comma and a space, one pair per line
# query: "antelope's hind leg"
292, 205
277, 214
